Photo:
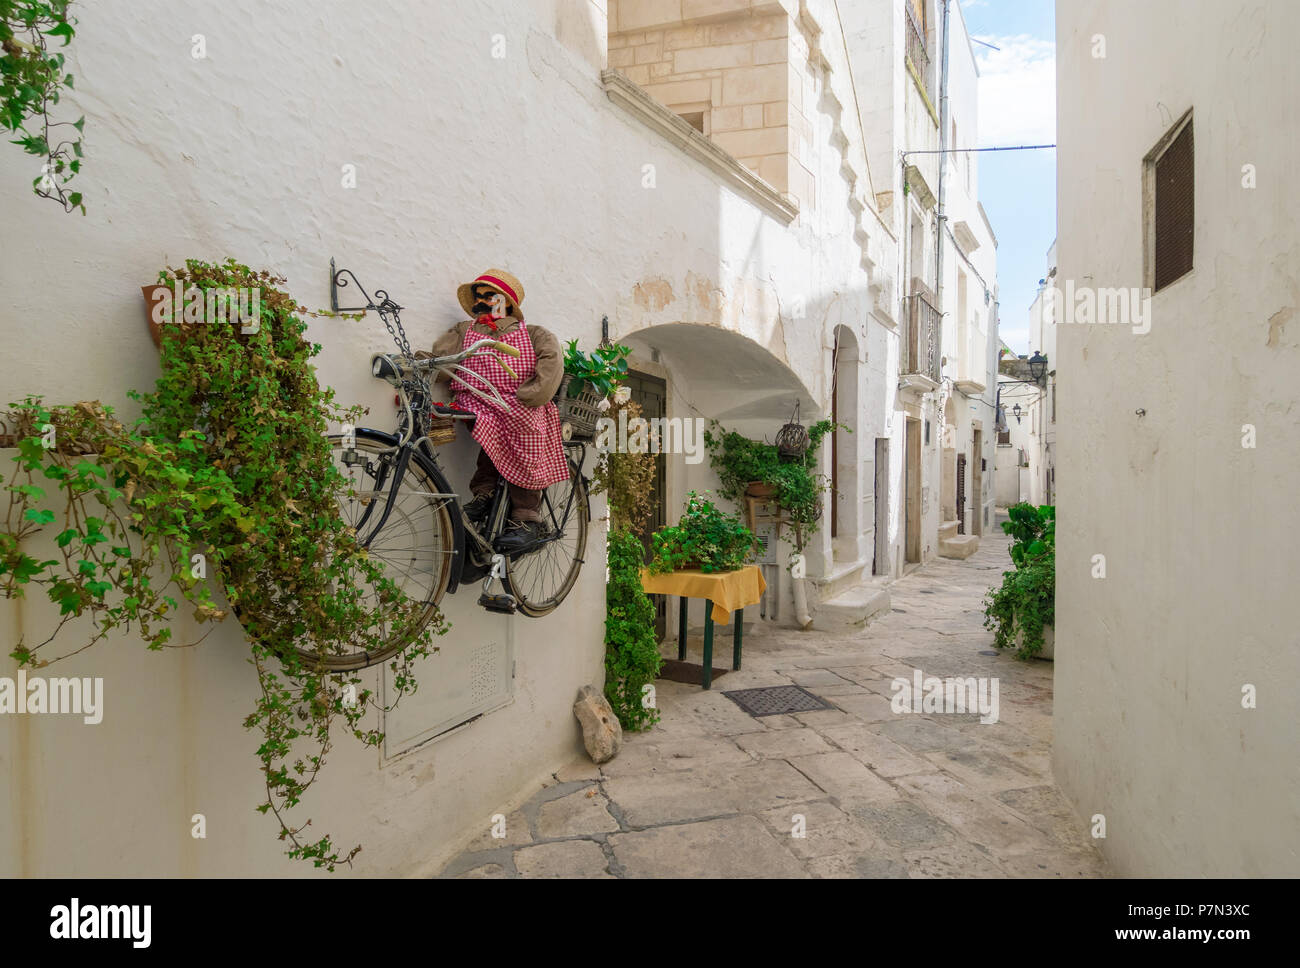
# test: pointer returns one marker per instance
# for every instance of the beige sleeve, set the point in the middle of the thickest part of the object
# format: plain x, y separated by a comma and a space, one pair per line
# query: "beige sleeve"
446, 344
541, 386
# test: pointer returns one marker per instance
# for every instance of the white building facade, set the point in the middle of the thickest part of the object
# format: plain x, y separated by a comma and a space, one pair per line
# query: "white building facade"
710, 183
1175, 719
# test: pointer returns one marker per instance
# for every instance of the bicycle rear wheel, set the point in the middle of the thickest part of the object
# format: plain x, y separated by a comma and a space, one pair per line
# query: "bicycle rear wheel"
415, 546
540, 579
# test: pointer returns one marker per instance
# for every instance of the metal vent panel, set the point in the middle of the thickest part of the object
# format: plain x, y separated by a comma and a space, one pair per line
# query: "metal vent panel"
776, 700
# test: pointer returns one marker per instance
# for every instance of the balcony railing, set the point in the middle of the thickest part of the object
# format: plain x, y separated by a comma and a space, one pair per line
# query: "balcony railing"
917, 51
921, 347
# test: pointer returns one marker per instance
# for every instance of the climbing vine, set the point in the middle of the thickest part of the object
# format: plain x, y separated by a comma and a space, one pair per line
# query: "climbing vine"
632, 657
32, 80
227, 471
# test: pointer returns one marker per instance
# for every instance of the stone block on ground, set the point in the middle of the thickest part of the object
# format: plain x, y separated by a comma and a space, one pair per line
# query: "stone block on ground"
601, 732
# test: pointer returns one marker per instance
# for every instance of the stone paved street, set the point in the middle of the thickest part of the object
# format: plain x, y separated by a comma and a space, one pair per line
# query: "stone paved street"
714, 792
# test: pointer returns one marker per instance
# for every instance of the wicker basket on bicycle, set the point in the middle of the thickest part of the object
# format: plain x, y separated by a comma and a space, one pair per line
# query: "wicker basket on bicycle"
580, 412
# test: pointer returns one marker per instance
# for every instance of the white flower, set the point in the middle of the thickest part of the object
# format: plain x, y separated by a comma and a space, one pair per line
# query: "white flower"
603, 405
622, 394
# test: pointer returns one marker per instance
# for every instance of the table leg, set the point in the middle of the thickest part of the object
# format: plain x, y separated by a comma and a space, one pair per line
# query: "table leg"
708, 644
681, 627
739, 619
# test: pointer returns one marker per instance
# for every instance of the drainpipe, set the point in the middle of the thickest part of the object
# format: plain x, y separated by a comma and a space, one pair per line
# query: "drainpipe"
940, 216
801, 614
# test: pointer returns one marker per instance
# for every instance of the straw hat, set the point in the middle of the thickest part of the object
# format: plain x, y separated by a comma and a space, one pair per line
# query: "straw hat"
499, 281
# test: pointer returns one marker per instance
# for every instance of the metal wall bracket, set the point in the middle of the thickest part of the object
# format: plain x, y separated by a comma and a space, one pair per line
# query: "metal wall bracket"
337, 282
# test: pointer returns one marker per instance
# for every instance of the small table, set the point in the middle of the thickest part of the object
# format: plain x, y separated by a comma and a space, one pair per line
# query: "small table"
725, 592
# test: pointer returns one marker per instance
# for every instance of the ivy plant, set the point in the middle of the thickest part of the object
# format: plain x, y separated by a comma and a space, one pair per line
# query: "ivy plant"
632, 657
227, 475
32, 79
1025, 603
739, 461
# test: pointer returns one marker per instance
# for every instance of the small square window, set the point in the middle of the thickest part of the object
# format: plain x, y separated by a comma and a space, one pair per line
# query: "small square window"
696, 115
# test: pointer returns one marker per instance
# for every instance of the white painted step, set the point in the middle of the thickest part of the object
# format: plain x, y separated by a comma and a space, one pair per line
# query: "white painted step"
960, 546
854, 607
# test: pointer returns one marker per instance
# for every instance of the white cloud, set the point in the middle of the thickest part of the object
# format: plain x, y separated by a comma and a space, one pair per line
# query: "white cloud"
1017, 91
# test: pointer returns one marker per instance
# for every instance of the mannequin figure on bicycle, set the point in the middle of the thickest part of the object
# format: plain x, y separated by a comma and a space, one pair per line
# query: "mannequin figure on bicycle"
522, 445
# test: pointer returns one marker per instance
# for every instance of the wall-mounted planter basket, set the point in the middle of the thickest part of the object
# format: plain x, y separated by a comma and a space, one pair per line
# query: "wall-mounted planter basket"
150, 297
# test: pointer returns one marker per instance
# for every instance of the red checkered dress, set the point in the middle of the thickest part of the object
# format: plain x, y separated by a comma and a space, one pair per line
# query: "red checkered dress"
523, 444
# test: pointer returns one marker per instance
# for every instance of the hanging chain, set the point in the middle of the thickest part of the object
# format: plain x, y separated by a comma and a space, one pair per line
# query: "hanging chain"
386, 308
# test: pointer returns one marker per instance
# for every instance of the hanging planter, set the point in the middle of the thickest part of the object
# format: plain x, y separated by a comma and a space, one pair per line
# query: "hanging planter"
151, 297
792, 439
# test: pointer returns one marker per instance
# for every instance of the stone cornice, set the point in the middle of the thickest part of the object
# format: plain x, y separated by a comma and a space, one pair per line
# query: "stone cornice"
677, 131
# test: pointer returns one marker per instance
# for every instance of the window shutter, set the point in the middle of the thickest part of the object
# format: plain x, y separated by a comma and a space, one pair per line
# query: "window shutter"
1175, 209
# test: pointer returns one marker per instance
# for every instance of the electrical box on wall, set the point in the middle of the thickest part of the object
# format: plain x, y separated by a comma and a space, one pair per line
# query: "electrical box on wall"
467, 677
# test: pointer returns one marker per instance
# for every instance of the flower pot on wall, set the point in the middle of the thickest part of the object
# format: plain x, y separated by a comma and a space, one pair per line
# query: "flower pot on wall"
151, 295
760, 490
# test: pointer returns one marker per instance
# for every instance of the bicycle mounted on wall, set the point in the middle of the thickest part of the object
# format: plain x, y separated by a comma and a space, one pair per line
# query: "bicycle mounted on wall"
408, 517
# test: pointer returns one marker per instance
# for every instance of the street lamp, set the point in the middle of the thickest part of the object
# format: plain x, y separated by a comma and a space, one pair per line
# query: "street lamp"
1015, 412
1037, 366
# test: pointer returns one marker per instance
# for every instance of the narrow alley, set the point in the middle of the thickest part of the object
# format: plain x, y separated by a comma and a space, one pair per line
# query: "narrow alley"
714, 792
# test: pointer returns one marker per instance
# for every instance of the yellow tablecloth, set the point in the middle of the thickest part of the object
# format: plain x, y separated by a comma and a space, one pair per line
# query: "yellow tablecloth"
728, 590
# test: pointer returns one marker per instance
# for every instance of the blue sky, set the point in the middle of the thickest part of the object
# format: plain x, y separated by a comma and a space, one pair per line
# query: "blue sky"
1017, 106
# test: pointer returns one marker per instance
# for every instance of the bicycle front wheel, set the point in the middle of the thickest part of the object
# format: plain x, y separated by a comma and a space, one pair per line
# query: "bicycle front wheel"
416, 544
541, 578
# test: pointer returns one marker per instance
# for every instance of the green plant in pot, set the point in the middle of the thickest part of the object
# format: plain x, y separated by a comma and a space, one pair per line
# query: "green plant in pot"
229, 460
602, 370
1020, 610
794, 483
706, 538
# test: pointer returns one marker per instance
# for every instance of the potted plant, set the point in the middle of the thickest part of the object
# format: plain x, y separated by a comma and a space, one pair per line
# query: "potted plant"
589, 381
152, 298
600, 371
706, 538
1020, 612
753, 468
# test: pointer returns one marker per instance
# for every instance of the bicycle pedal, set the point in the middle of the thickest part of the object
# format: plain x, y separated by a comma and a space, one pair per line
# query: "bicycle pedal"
505, 604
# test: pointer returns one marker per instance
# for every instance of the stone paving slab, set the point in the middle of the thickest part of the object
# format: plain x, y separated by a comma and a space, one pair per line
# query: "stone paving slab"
731, 847
855, 791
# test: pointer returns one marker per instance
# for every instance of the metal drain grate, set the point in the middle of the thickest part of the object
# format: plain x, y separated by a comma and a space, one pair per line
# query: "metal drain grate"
776, 700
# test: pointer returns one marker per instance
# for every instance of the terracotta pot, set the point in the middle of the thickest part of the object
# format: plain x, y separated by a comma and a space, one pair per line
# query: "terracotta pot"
150, 295
760, 490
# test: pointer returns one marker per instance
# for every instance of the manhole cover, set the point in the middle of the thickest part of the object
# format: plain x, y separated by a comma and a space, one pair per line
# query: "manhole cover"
776, 700
993, 652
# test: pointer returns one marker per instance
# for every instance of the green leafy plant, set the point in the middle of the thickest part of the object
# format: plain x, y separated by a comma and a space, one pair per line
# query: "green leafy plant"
1032, 530
603, 370
229, 461
706, 537
31, 82
626, 477
1025, 603
632, 657
739, 461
